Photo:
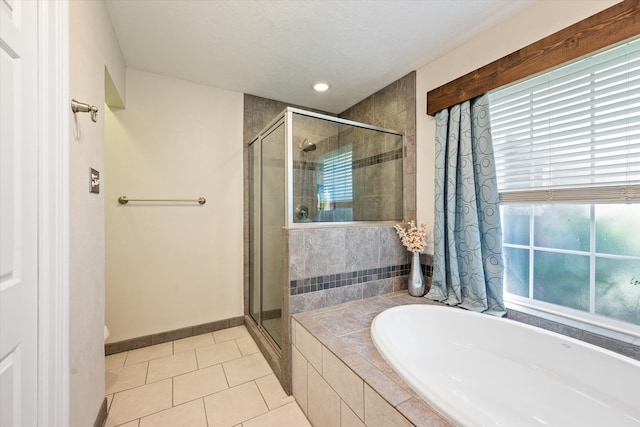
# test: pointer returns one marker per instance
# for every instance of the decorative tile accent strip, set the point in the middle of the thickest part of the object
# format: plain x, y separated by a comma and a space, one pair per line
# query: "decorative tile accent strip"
309, 166
319, 283
377, 159
355, 164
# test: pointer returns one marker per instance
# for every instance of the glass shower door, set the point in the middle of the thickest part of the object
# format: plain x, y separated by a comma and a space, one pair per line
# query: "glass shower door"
273, 220
266, 221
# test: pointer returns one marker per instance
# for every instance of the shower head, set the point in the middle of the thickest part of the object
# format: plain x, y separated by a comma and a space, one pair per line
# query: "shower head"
307, 146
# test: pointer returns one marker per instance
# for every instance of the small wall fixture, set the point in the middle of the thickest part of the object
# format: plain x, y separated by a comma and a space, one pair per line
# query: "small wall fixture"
81, 107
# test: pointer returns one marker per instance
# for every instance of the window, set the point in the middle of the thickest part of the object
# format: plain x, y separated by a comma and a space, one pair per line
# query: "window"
337, 174
567, 147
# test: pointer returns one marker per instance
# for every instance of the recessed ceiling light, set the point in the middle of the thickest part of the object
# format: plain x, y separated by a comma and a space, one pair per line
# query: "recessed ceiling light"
321, 87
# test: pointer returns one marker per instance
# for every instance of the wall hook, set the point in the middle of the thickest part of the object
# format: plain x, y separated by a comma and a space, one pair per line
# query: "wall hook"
81, 107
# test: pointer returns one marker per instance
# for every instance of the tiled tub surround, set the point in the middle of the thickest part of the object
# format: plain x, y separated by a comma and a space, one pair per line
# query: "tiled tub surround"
371, 251
338, 376
623, 345
340, 379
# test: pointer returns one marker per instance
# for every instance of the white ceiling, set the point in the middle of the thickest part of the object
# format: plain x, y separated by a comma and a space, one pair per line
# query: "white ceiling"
277, 49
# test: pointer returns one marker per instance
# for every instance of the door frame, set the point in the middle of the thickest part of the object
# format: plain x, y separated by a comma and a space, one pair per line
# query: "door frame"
53, 112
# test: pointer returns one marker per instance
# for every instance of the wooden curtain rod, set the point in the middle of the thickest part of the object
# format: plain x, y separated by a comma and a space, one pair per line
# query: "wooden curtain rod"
613, 25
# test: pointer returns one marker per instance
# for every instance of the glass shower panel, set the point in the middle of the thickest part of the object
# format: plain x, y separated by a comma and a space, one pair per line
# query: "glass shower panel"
254, 231
345, 172
273, 170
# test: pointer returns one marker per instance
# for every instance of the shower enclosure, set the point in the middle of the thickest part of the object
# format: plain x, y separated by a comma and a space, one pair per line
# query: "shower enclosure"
305, 170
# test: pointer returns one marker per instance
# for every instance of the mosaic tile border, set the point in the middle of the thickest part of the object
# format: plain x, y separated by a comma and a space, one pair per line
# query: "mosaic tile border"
377, 159
331, 281
305, 165
355, 164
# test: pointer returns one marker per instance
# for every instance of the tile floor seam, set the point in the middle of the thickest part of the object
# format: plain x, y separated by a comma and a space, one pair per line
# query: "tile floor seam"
204, 407
146, 373
197, 398
148, 415
225, 376
173, 393
197, 362
252, 379
261, 394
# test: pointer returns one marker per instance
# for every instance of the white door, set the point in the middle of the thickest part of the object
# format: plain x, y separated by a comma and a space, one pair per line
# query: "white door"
18, 213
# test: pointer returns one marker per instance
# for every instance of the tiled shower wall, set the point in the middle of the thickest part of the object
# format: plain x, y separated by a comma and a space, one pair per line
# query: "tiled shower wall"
377, 172
394, 107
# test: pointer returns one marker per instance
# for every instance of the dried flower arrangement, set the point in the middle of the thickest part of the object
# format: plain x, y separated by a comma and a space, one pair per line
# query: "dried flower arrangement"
414, 238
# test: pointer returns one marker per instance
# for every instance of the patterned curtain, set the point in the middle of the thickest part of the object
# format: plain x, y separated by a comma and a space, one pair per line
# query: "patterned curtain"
468, 264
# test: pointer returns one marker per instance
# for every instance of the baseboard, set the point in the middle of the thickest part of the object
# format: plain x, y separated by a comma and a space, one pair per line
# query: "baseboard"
102, 415
176, 334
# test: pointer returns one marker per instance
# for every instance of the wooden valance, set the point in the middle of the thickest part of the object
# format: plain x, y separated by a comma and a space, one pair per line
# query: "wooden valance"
613, 25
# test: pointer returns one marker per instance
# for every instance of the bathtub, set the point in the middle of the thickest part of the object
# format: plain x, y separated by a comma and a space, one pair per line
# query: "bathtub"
479, 370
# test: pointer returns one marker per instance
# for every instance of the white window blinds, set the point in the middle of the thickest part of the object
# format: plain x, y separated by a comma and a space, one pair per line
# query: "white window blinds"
337, 174
571, 134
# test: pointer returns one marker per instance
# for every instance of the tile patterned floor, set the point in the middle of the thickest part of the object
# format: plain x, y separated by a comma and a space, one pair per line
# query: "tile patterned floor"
218, 379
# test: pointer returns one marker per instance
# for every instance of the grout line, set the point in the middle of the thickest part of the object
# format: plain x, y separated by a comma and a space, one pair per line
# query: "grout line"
197, 361
206, 416
262, 395
146, 375
173, 395
225, 375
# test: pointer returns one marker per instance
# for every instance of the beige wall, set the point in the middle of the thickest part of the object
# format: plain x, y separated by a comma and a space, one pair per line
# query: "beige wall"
175, 265
539, 20
92, 47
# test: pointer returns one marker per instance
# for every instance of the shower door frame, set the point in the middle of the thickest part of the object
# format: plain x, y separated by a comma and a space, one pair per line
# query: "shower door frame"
280, 120
257, 187
286, 119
